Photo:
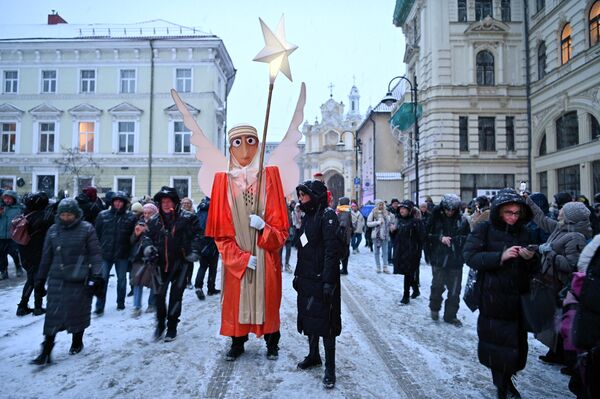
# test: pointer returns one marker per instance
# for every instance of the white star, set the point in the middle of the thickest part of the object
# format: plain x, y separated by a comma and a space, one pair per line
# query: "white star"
276, 51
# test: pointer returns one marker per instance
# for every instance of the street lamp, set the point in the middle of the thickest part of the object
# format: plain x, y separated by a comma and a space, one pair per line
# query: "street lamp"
388, 100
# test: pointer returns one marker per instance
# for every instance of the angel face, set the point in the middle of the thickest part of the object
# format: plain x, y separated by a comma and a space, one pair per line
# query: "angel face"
243, 149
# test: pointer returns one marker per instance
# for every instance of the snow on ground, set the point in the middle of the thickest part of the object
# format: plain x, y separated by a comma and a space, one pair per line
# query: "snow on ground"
386, 350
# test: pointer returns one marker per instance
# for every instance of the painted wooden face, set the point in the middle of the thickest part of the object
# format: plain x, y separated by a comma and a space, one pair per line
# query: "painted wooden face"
243, 149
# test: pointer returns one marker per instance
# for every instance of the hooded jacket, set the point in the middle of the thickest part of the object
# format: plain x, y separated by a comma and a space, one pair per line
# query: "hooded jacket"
9, 213
114, 228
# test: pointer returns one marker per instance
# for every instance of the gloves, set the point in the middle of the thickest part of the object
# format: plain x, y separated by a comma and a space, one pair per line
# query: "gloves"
150, 253
95, 285
192, 257
252, 262
545, 247
257, 222
39, 288
328, 290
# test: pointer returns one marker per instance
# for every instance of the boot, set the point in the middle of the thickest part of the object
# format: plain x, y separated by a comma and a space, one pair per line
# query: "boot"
313, 359
200, 294
405, 299
160, 329
39, 311
329, 377
77, 343
435, 315
213, 291
23, 310
237, 348
171, 330
44, 357
416, 292
512, 390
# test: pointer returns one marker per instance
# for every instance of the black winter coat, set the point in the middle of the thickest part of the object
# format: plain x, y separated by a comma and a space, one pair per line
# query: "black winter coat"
455, 227
39, 223
502, 335
114, 230
175, 237
408, 240
68, 304
318, 263
90, 208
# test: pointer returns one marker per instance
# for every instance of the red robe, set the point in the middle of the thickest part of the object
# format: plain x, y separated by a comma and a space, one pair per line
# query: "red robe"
235, 260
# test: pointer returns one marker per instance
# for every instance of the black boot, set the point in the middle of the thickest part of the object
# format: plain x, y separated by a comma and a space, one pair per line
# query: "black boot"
23, 310
39, 311
407, 284
272, 341
329, 377
160, 329
416, 292
171, 330
313, 359
512, 390
237, 348
44, 357
77, 343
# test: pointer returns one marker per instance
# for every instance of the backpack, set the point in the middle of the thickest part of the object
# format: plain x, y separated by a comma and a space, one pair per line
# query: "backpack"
19, 229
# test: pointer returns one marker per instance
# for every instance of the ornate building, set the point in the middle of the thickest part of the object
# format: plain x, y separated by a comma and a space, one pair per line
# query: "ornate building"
330, 148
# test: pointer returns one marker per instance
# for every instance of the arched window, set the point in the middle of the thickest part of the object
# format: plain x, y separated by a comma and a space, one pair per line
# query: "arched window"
565, 44
543, 150
541, 58
567, 130
594, 23
485, 68
483, 8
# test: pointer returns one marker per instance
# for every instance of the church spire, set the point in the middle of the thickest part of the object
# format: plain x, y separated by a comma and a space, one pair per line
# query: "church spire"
354, 98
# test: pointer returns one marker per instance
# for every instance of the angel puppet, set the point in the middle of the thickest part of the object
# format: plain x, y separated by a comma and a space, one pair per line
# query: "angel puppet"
249, 241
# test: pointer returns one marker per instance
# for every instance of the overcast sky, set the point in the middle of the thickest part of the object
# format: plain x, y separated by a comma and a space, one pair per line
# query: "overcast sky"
340, 42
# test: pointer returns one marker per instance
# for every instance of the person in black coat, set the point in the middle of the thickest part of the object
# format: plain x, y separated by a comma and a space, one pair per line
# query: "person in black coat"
173, 242
408, 237
497, 250
70, 246
114, 227
209, 255
90, 204
448, 233
317, 277
40, 217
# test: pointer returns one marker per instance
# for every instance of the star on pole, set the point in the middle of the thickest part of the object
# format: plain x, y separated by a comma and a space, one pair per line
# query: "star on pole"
276, 51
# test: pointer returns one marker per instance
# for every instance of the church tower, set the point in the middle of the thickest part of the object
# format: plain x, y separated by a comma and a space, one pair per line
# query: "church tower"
354, 98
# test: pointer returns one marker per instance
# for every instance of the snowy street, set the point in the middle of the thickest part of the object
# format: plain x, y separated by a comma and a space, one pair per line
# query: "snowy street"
386, 350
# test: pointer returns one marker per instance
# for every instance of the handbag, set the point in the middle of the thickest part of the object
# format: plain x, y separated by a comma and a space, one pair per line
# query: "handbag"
472, 292
538, 305
144, 275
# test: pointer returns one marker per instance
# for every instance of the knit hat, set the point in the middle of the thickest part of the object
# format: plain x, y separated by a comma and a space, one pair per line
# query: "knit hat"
450, 202
575, 212
408, 204
150, 207
562, 198
137, 208
242, 130
69, 205
91, 192
394, 200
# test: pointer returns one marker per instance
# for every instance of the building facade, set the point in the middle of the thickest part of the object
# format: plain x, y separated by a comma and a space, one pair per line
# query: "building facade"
91, 105
564, 38
467, 58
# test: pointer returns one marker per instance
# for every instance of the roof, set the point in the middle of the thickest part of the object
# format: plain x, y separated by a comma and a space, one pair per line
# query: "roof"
401, 11
397, 92
157, 28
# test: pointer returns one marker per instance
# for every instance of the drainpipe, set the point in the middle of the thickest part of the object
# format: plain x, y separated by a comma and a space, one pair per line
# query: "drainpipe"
374, 156
528, 93
150, 116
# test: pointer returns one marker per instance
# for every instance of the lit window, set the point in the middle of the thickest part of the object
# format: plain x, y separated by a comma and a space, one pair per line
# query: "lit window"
595, 23
566, 43
86, 136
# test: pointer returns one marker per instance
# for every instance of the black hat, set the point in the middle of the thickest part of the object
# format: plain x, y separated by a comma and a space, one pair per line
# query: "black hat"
166, 192
121, 195
36, 202
562, 198
450, 202
394, 200
408, 204
315, 189
344, 201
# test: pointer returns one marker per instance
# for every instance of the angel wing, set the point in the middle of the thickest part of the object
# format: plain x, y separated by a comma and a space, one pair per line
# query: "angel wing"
284, 156
211, 158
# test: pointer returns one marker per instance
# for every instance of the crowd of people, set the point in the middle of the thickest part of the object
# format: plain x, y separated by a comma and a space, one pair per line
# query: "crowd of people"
509, 240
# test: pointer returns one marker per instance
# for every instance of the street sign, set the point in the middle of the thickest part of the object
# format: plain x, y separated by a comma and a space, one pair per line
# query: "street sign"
357, 181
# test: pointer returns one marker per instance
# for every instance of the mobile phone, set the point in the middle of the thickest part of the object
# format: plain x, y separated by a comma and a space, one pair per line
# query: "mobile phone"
532, 248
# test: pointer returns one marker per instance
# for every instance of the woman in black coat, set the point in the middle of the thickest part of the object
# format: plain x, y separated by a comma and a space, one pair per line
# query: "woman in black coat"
497, 250
408, 237
69, 242
317, 277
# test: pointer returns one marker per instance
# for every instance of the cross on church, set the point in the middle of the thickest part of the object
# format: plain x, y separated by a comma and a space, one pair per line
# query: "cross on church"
331, 86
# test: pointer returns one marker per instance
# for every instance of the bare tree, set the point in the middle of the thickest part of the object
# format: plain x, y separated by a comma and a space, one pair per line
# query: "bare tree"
75, 165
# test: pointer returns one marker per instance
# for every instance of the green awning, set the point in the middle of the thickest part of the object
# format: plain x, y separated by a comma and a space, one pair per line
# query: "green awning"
401, 11
405, 116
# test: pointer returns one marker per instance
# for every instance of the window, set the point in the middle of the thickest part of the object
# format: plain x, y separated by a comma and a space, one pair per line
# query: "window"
182, 186
567, 130
88, 81
462, 10
47, 184
463, 133
48, 81
126, 136
47, 134
86, 136
543, 178
127, 80
540, 4
183, 80
510, 133
568, 179
125, 184
11, 81
485, 68
473, 185
505, 9
596, 176
543, 150
83, 182
7, 183
487, 133
566, 50
594, 24
541, 58
594, 128
483, 8
182, 138
9, 137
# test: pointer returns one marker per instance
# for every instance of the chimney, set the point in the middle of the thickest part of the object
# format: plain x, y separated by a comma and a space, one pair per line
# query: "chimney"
55, 19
